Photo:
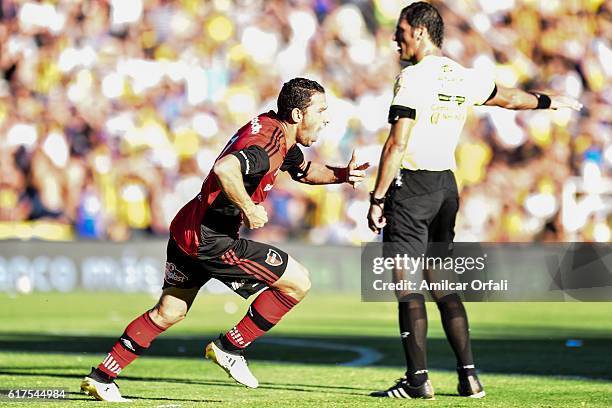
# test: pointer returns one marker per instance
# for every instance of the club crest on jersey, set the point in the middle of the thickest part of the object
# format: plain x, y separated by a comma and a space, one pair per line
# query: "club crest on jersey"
173, 275
274, 258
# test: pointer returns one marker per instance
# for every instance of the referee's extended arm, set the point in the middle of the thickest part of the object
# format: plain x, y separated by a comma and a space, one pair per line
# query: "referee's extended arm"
390, 160
517, 99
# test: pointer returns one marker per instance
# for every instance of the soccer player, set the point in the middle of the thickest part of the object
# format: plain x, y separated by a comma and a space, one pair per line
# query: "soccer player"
204, 240
427, 115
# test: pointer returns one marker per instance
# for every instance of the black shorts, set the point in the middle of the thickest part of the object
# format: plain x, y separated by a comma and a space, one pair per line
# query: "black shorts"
243, 265
421, 208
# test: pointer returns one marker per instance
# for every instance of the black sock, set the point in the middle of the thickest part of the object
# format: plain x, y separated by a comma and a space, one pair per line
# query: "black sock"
100, 376
456, 327
228, 345
413, 329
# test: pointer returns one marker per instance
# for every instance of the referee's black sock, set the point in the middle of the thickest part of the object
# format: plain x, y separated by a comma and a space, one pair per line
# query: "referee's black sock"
455, 323
413, 328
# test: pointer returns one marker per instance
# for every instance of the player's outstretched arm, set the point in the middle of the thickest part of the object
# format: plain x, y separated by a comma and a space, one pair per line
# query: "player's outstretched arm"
228, 172
323, 174
517, 99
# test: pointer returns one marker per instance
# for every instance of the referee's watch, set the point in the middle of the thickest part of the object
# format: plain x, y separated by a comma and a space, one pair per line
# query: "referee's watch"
376, 201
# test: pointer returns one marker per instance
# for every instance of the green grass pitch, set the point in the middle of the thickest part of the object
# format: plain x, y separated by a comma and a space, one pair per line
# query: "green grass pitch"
330, 351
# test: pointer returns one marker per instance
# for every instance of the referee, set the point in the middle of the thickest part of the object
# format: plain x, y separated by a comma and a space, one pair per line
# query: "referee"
418, 204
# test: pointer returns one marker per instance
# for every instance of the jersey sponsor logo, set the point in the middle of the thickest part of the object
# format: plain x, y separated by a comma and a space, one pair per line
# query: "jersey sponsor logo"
458, 99
173, 275
255, 126
274, 258
128, 344
268, 187
438, 117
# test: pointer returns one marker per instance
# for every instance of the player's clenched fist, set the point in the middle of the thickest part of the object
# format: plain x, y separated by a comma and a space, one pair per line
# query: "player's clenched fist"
255, 217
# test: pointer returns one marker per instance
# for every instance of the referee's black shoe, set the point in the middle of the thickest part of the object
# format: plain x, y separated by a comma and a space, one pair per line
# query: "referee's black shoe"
471, 387
402, 389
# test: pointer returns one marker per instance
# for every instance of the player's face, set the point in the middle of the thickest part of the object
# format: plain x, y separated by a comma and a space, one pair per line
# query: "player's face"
406, 43
313, 120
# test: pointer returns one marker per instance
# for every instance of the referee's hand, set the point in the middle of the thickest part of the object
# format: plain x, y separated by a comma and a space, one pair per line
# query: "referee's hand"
376, 219
564, 101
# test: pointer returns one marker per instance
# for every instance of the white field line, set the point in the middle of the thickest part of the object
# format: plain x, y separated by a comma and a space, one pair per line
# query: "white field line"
367, 355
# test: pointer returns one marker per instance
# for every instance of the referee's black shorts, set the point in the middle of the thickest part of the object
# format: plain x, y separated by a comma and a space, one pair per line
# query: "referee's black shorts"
420, 208
245, 266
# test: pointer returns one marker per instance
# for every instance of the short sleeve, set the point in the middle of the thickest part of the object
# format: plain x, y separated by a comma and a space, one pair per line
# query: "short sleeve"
294, 163
403, 104
253, 160
481, 85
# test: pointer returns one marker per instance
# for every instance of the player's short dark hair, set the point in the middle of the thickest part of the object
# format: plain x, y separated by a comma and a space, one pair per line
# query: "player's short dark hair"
421, 14
296, 94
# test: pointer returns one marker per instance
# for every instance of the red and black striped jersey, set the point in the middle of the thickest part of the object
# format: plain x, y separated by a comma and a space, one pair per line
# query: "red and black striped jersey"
261, 148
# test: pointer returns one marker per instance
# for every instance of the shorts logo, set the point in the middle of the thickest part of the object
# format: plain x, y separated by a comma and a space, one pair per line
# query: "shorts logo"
173, 275
237, 284
274, 258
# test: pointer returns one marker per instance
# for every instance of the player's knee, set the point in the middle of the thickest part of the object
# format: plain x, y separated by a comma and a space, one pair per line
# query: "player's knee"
305, 283
166, 315
299, 281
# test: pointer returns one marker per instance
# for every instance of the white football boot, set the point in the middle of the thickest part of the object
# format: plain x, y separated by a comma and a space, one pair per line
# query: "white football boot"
101, 390
234, 363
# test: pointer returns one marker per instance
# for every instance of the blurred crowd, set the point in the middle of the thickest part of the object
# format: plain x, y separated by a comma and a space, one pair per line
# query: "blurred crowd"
112, 112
